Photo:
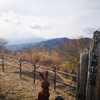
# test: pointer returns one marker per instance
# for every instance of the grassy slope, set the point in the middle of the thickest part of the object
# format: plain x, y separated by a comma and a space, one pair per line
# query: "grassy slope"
14, 88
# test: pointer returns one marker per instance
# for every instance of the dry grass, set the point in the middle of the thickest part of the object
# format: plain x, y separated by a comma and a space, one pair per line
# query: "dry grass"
14, 88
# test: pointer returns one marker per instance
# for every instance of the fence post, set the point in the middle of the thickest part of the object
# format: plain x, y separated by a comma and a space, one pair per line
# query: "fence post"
34, 70
20, 66
2, 63
54, 78
93, 78
82, 75
78, 83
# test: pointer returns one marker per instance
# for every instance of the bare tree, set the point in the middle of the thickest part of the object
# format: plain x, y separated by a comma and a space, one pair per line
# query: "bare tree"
3, 42
70, 52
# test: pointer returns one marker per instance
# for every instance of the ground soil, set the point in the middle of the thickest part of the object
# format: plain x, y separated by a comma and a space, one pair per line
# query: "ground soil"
12, 87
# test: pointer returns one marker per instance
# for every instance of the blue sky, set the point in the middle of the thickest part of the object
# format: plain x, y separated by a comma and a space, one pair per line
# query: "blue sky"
49, 18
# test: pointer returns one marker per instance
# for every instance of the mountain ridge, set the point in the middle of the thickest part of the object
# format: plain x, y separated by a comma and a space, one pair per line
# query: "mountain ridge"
46, 43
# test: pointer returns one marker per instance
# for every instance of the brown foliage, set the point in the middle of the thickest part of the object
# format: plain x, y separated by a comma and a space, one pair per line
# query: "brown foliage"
69, 53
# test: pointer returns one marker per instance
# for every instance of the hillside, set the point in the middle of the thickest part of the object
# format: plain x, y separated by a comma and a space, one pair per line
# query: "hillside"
16, 47
53, 42
47, 44
14, 88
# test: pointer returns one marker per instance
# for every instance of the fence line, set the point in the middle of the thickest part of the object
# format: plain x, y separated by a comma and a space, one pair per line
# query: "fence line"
21, 62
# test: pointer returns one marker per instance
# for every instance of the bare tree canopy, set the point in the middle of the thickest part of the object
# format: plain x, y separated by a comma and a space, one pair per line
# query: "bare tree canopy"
3, 42
70, 51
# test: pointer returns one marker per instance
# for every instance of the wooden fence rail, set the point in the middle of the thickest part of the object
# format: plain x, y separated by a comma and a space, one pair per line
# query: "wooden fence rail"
20, 63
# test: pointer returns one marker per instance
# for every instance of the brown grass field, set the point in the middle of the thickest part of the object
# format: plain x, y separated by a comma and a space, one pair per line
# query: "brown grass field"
12, 87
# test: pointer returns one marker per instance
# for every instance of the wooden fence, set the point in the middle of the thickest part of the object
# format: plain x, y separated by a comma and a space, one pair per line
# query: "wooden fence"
21, 62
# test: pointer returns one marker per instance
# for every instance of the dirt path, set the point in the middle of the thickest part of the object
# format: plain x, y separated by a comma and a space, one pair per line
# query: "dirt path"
14, 88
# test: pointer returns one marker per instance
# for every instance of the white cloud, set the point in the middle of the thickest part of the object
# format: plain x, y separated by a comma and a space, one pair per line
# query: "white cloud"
36, 27
49, 19
12, 17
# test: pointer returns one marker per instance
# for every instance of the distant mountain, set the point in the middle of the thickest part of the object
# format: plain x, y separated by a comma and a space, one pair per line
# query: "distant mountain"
12, 41
87, 39
47, 44
16, 47
53, 42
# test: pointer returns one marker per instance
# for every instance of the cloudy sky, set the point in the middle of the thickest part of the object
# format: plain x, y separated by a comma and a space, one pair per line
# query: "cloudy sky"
49, 18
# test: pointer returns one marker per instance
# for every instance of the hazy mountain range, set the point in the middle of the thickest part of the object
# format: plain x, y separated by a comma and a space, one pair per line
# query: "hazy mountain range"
45, 43
12, 41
